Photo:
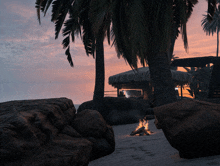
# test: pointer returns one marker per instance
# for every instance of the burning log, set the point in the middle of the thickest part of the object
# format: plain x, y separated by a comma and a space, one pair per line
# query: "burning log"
142, 129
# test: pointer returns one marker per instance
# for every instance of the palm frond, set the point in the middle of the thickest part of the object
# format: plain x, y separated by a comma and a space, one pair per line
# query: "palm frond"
99, 15
38, 7
66, 42
184, 36
138, 37
106, 25
193, 1
57, 6
211, 9
87, 35
120, 33
43, 4
182, 12
88, 41
161, 26
108, 35
47, 6
69, 58
59, 22
71, 26
66, 5
189, 7
211, 27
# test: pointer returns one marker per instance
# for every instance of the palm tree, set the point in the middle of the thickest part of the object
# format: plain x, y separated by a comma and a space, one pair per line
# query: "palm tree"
147, 30
79, 18
214, 25
143, 29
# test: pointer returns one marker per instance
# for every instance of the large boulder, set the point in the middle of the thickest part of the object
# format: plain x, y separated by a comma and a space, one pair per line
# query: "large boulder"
191, 126
212, 100
91, 125
119, 110
42, 132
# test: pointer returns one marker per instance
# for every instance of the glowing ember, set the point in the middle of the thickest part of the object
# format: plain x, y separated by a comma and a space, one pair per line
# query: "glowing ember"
142, 128
142, 123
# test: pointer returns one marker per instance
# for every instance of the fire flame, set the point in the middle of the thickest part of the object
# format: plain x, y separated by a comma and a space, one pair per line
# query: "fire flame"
142, 123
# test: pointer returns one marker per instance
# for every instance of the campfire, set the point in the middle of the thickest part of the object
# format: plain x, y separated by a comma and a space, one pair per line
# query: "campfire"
142, 129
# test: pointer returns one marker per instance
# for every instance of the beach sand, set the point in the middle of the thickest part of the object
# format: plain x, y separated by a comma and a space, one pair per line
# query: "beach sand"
153, 150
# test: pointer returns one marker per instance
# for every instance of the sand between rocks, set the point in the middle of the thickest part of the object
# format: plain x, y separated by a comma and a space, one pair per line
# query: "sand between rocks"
153, 150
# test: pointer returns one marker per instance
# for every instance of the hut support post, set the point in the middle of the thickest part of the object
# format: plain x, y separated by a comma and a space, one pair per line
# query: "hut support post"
181, 91
117, 91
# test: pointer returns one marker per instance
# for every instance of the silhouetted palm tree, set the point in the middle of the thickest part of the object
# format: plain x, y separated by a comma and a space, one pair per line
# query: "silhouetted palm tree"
147, 30
210, 27
79, 18
144, 29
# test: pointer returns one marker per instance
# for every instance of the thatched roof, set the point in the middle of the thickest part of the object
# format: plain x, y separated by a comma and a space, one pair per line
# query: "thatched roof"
143, 75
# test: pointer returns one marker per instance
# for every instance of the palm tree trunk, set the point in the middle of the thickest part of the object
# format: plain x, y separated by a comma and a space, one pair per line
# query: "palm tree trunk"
98, 95
217, 41
161, 77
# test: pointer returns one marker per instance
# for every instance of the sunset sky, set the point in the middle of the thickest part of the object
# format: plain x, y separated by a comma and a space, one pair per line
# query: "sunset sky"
33, 64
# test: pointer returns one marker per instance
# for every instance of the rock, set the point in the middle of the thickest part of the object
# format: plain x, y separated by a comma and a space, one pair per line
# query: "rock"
100, 147
211, 100
62, 151
121, 110
149, 112
68, 130
191, 126
157, 123
40, 133
149, 117
90, 124
116, 117
109, 136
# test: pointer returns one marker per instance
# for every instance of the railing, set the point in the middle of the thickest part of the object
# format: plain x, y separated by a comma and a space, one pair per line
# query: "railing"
110, 93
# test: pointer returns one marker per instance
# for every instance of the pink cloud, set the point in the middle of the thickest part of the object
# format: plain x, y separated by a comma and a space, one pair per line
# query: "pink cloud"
21, 10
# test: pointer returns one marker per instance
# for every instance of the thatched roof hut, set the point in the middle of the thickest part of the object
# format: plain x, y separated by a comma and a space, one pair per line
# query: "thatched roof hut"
140, 79
143, 75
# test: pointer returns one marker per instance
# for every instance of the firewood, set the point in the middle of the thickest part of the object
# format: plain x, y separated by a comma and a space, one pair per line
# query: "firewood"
140, 130
146, 132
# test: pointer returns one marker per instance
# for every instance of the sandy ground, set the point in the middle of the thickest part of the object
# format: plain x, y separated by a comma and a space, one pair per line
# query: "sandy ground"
153, 150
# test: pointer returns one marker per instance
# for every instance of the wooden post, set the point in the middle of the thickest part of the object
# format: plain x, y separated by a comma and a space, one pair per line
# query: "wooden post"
117, 91
181, 91
214, 83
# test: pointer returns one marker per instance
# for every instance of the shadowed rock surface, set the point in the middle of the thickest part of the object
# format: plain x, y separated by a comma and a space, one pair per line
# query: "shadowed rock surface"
191, 126
119, 111
212, 100
91, 124
44, 132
